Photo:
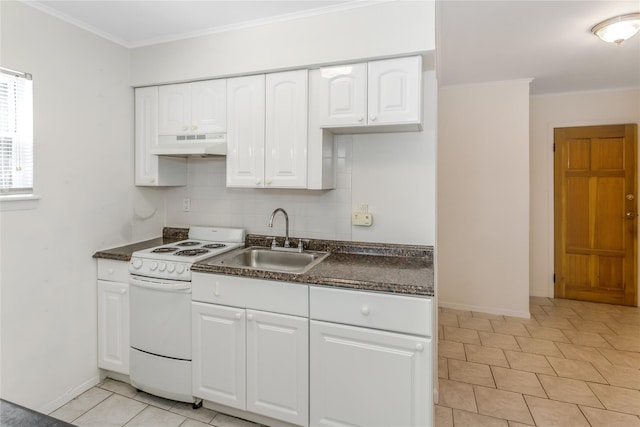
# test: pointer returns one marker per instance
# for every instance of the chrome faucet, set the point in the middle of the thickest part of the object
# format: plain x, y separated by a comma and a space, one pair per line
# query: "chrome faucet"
287, 244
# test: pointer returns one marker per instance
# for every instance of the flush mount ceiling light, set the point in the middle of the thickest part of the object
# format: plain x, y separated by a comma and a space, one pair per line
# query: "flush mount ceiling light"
618, 29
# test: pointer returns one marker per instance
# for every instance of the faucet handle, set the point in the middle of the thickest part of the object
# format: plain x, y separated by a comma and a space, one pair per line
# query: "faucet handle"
273, 242
301, 243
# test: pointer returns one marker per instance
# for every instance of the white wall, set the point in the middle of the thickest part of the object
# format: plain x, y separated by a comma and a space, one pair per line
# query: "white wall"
83, 130
483, 197
547, 113
393, 173
386, 29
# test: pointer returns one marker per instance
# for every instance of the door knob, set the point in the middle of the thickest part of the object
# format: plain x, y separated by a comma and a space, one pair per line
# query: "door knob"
631, 215
630, 197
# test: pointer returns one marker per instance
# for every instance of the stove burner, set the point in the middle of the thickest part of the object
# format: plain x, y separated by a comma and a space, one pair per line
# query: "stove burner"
215, 246
188, 243
163, 250
191, 252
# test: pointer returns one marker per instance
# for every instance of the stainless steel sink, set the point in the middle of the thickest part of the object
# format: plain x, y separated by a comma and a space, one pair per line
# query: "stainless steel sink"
260, 258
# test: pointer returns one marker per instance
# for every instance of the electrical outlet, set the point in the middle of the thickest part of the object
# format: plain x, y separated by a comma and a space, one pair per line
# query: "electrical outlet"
186, 204
361, 218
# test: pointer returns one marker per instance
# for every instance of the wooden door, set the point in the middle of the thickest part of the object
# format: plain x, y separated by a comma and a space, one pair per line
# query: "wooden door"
596, 213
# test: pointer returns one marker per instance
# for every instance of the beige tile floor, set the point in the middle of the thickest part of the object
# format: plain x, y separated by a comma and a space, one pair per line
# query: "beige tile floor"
572, 364
115, 404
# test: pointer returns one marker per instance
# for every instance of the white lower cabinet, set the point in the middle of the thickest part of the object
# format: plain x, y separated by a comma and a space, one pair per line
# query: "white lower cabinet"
252, 360
371, 359
113, 316
284, 354
365, 377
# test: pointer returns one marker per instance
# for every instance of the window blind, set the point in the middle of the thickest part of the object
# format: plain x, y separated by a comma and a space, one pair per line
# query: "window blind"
16, 132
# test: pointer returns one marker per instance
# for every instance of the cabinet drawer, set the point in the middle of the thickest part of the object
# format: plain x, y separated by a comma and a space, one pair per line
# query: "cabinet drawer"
372, 310
113, 271
257, 294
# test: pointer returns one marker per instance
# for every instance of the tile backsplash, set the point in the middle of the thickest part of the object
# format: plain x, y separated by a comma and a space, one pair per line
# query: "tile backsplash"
320, 214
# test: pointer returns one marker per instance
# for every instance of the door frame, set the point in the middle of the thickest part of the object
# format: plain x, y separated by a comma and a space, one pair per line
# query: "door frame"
550, 174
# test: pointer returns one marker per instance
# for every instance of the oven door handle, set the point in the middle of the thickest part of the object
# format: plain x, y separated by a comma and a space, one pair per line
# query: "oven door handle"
173, 286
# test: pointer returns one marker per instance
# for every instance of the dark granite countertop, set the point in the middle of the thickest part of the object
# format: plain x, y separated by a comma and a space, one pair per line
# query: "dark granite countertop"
379, 267
123, 253
12, 415
391, 268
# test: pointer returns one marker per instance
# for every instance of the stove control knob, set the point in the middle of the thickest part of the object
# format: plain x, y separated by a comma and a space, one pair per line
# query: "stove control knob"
137, 263
171, 268
154, 265
162, 267
180, 269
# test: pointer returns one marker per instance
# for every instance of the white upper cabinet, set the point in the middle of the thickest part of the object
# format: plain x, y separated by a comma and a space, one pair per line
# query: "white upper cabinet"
385, 94
198, 107
245, 131
267, 130
286, 130
152, 170
343, 92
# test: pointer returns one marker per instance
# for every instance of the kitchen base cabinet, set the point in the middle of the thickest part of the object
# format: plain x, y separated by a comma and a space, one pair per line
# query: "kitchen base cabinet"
366, 377
113, 316
249, 359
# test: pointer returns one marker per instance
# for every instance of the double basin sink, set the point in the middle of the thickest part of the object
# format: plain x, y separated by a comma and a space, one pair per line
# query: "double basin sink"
261, 258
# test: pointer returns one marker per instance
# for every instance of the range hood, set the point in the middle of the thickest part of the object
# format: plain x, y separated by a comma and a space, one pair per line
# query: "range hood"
214, 144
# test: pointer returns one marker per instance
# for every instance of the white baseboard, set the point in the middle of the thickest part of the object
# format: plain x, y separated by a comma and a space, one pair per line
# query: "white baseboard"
69, 395
483, 309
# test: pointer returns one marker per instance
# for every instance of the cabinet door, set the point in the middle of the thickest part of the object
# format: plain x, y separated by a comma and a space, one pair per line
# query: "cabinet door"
366, 377
278, 366
175, 109
286, 129
218, 356
209, 106
245, 131
342, 95
113, 326
152, 170
395, 90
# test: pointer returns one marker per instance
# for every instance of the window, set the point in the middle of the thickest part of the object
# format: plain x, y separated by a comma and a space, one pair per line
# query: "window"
16, 133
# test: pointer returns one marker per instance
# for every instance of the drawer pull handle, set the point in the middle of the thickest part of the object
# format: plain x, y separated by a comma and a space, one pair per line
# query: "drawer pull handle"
419, 347
365, 310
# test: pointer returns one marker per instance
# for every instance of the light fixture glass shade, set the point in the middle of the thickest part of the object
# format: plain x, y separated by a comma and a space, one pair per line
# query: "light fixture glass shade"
618, 29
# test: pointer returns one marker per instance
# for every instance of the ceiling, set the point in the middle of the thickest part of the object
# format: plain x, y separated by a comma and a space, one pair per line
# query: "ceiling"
477, 41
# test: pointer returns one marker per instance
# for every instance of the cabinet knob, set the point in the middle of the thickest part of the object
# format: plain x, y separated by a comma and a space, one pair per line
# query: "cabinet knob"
258, 181
194, 127
372, 117
110, 271
238, 315
364, 310
123, 291
267, 181
360, 118
419, 347
185, 128
249, 317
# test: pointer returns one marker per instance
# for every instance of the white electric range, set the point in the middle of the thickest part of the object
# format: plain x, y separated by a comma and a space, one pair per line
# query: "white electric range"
160, 309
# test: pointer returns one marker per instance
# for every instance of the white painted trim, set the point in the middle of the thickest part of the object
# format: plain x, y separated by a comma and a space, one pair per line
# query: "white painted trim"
582, 92
69, 395
490, 83
482, 309
18, 202
41, 5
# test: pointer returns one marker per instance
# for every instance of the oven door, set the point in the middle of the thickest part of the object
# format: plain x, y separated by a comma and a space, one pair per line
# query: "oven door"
160, 316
